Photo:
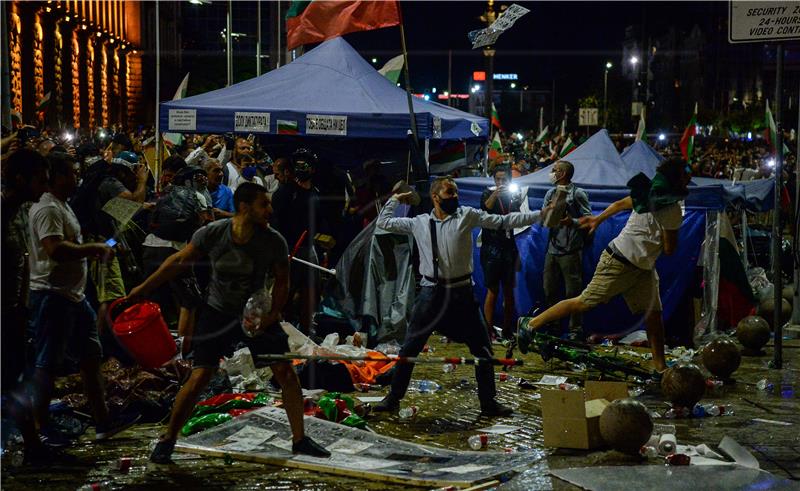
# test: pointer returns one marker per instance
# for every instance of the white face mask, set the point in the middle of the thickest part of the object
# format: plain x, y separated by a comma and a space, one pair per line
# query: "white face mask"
553, 178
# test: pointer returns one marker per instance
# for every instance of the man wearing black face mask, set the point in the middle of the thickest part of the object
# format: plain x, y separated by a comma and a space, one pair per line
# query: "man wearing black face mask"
296, 216
565, 244
445, 302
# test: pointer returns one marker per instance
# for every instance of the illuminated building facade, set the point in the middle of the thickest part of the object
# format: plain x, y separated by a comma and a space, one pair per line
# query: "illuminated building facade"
75, 63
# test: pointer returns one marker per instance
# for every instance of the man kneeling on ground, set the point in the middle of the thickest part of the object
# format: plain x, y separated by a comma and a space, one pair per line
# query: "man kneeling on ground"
243, 251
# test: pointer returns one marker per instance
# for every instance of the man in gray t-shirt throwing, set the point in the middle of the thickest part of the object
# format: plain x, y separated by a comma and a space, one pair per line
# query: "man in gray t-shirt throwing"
243, 251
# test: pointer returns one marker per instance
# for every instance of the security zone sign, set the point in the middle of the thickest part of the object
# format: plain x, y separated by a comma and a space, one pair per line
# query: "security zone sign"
752, 22
587, 116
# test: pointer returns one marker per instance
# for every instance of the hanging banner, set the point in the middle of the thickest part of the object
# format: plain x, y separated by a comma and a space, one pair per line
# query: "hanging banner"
246, 122
323, 124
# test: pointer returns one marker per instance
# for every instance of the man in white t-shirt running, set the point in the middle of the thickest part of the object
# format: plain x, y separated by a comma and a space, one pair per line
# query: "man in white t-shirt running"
627, 266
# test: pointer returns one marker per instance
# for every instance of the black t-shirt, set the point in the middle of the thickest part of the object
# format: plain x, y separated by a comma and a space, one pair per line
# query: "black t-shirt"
295, 210
504, 204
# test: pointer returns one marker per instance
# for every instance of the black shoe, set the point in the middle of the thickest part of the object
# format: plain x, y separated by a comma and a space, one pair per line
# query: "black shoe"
53, 438
388, 404
162, 453
307, 446
496, 409
524, 336
43, 456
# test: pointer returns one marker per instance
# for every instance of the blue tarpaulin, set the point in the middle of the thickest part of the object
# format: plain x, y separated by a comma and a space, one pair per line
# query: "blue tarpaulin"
603, 174
329, 91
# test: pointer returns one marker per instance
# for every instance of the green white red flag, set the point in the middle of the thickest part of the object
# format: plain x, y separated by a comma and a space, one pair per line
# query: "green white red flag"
568, 146
392, 69
687, 140
496, 148
641, 131
771, 131
318, 20
543, 134
495, 117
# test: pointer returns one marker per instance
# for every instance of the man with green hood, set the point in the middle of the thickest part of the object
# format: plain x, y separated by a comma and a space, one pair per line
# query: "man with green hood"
627, 266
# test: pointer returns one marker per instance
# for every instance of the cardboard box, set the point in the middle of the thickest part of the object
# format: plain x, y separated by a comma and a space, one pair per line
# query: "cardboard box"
571, 418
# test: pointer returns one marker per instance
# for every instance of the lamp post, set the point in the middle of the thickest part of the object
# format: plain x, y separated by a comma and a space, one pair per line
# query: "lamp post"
634, 60
605, 93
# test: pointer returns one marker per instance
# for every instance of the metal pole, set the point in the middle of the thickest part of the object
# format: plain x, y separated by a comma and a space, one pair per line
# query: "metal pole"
258, 38
796, 299
553, 104
408, 85
520, 100
228, 44
777, 359
157, 170
605, 98
449, 74
396, 359
488, 53
280, 34
541, 119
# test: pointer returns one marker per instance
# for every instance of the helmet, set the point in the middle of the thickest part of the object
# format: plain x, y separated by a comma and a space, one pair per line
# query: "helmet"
128, 156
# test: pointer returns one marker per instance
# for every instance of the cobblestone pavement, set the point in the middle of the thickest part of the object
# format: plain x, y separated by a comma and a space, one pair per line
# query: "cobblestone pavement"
446, 419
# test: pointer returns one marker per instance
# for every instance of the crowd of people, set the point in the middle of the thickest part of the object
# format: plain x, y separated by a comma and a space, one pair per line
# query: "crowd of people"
223, 221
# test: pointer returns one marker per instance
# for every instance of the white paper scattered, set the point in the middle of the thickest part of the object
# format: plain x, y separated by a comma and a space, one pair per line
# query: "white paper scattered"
552, 380
252, 433
313, 393
370, 398
280, 443
348, 446
463, 469
772, 422
500, 429
242, 445
738, 453
634, 337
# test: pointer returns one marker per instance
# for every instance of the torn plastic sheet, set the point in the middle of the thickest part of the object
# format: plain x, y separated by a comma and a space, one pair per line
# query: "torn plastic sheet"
670, 478
264, 436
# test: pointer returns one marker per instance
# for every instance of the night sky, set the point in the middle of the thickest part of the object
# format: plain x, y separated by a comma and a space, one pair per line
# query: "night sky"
566, 41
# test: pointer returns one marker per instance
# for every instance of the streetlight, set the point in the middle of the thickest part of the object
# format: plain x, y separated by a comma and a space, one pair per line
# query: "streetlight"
513, 85
374, 60
634, 80
605, 93
634, 60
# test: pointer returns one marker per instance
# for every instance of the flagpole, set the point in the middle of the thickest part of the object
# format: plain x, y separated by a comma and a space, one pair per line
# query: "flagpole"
157, 169
796, 299
228, 43
408, 81
258, 38
777, 359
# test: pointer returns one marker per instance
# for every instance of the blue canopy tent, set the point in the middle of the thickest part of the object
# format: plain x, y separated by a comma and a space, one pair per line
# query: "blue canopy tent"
603, 174
329, 91
753, 195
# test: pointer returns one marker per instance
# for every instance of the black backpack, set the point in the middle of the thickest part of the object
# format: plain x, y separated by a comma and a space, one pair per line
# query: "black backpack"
176, 215
84, 202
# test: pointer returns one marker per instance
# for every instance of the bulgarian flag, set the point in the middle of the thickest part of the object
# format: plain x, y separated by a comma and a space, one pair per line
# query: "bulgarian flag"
641, 132
450, 157
687, 140
176, 139
392, 69
544, 133
563, 127
496, 148
569, 146
495, 117
317, 20
771, 131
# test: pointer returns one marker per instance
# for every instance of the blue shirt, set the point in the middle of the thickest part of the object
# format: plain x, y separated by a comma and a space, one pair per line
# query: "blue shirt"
222, 198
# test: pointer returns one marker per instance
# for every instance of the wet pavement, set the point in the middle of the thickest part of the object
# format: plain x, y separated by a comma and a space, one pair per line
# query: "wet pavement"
446, 419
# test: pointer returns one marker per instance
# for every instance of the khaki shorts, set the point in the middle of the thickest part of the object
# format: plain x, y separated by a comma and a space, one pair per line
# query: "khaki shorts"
107, 279
639, 287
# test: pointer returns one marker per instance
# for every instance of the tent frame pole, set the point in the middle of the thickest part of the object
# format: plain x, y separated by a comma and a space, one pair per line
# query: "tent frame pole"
777, 279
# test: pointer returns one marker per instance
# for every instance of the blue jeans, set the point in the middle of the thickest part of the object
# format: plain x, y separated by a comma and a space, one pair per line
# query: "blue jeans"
455, 313
62, 329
